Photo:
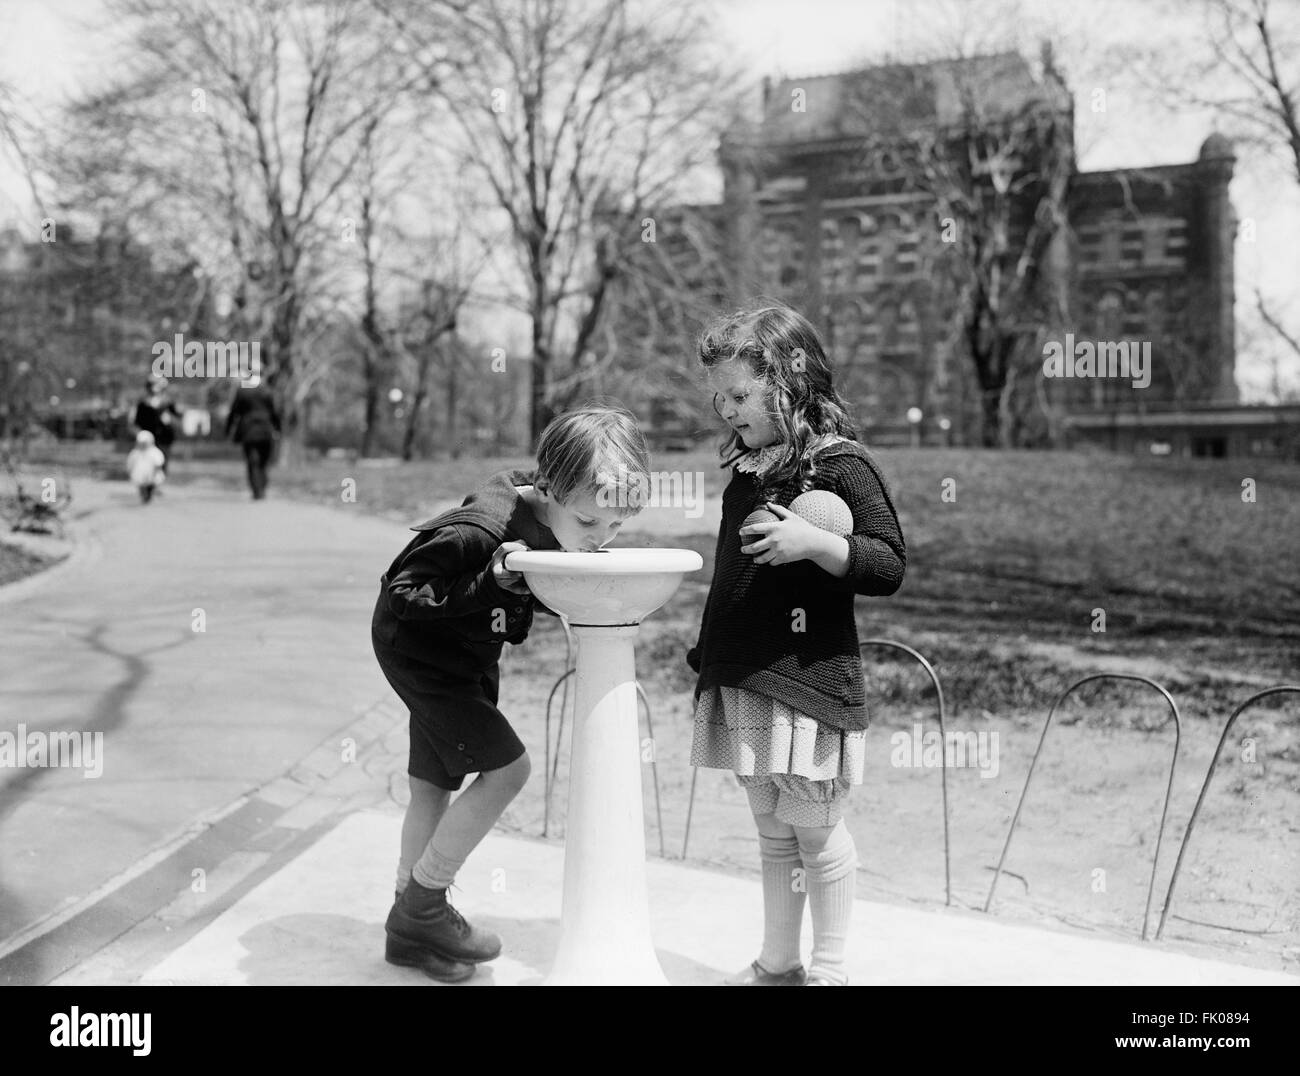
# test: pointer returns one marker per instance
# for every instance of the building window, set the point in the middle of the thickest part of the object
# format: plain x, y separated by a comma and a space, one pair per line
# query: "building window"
1176, 242
1109, 313
1089, 244
1131, 248
909, 327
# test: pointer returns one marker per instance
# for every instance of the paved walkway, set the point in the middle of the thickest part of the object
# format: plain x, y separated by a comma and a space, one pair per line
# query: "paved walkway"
319, 921
207, 641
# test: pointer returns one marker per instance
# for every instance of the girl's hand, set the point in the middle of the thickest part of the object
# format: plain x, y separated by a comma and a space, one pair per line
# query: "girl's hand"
791, 538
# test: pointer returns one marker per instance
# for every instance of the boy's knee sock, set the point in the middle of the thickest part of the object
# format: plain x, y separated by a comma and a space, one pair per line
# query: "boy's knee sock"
831, 873
783, 901
435, 870
423, 814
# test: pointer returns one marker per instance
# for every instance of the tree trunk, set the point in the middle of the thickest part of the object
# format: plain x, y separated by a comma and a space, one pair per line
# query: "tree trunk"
418, 397
539, 412
990, 416
283, 375
453, 364
412, 421
371, 415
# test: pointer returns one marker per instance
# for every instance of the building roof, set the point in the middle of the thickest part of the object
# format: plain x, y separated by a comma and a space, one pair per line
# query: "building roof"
874, 100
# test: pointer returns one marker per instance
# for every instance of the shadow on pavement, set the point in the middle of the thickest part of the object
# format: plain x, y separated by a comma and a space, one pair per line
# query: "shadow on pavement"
323, 950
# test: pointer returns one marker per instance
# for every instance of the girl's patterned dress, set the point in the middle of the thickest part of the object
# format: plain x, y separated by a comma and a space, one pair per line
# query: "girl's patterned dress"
755, 735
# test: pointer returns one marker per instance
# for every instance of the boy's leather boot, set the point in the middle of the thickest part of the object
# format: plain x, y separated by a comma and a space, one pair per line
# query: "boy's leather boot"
425, 918
435, 966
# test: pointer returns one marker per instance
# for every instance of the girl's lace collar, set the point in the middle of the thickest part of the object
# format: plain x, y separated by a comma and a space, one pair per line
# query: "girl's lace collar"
763, 460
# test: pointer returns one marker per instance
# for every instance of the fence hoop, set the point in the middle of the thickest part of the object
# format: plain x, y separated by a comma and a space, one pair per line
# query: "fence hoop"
1205, 787
1164, 813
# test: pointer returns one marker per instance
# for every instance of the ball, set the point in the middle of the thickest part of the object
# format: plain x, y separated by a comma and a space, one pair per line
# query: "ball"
758, 515
825, 511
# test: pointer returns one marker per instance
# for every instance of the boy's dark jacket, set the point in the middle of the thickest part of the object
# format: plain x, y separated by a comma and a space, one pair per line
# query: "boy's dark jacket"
440, 609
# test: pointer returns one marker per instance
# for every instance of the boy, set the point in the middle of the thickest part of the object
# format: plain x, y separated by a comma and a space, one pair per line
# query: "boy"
446, 605
144, 464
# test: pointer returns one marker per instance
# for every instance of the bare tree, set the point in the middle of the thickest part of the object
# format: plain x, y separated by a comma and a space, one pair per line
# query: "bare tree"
566, 107
237, 127
1246, 73
667, 290
17, 138
993, 165
429, 343
415, 282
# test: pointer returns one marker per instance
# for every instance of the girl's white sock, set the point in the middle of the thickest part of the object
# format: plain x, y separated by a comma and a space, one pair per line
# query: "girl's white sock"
783, 901
831, 873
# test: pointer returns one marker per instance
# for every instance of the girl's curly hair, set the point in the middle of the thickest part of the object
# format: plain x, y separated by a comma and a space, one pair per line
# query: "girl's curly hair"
782, 349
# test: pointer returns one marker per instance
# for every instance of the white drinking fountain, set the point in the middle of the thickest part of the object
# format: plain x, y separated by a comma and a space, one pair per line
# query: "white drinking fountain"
605, 924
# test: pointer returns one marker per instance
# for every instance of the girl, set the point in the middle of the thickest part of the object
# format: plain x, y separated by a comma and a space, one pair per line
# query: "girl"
780, 698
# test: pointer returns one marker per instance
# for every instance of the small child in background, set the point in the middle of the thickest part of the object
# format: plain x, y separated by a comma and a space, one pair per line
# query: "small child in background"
144, 464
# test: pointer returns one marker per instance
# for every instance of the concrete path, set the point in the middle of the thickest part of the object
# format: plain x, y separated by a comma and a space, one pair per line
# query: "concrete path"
320, 921
210, 640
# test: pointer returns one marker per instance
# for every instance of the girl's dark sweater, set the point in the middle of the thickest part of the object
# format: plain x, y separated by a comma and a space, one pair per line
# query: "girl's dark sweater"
788, 631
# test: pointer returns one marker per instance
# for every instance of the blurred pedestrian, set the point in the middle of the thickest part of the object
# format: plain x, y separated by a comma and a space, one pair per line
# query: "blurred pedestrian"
144, 464
254, 423
157, 414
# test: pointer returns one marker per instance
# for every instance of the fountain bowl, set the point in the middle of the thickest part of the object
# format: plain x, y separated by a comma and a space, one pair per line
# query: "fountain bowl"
605, 588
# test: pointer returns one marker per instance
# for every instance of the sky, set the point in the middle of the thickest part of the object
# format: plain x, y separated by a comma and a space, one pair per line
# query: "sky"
48, 53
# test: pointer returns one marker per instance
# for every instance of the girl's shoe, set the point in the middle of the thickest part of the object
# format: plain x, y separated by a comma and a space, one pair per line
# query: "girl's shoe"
757, 975
821, 980
424, 919
405, 955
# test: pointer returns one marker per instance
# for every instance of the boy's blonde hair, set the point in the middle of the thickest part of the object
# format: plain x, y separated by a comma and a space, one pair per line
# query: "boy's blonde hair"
597, 450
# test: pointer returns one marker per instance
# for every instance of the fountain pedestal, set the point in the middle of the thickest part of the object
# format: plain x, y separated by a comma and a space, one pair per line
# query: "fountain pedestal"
605, 923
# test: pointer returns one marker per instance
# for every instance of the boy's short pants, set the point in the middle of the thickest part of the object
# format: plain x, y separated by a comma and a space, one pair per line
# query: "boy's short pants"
798, 801
456, 728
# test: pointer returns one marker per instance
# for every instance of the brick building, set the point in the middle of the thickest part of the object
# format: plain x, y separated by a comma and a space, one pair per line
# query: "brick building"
826, 207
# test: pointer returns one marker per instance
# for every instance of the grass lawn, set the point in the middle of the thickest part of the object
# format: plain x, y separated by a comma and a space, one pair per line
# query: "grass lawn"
17, 563
999, 543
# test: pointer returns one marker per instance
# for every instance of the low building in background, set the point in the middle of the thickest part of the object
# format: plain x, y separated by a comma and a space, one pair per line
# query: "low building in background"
1201, 430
